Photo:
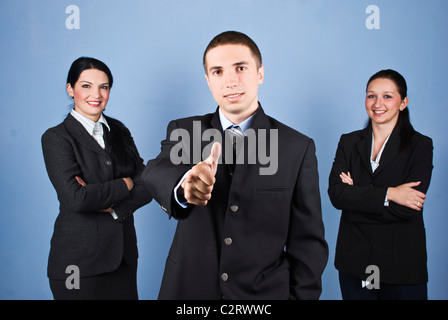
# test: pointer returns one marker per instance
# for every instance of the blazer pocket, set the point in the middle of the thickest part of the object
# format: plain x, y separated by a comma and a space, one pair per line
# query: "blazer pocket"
410, 247
271, 189
170, 259
76, 238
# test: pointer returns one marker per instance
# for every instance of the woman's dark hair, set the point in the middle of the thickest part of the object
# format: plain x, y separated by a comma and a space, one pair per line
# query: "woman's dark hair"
125, 158
86, 63
404, 126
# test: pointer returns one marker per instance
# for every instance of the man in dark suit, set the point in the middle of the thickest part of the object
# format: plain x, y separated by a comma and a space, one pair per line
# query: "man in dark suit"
247, 231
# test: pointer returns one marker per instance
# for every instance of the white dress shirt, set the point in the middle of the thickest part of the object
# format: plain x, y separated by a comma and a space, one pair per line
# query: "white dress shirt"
375, 163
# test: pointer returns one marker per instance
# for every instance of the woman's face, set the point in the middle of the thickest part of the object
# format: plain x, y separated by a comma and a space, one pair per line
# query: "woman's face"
91, 93
383, 102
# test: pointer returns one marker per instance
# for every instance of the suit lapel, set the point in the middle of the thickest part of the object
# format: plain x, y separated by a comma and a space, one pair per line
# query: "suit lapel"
391, 150
364, 147
107, 138
80, 134
214, 122
260, 120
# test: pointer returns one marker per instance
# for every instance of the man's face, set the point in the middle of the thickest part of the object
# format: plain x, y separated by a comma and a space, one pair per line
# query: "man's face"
233, 78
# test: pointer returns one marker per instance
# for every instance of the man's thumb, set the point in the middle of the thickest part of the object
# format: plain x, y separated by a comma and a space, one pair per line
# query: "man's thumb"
215, 153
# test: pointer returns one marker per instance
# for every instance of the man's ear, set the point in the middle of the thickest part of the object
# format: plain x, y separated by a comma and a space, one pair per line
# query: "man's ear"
208, 82
260, 75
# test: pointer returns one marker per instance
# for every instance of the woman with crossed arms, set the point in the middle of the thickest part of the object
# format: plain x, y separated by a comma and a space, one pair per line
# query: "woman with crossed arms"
94, 165
379, 179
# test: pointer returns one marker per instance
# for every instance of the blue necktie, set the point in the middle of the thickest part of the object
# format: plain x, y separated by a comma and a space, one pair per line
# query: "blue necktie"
237, 135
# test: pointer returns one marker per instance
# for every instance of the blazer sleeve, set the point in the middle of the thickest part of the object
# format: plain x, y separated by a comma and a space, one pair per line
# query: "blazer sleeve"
138, 197
306, 246
161, 177
62, 168
367, 202
420, 170
362, 199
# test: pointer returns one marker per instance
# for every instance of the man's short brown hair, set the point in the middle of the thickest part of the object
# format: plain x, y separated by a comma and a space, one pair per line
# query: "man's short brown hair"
233, 37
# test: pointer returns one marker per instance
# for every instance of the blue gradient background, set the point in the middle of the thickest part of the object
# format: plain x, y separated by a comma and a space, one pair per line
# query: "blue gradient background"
318, 55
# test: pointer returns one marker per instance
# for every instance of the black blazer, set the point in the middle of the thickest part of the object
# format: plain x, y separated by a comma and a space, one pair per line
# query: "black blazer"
390, 237
84, 236
259, 237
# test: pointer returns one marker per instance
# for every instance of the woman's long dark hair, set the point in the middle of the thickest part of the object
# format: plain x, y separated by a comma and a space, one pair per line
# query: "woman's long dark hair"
404, 126
125, 157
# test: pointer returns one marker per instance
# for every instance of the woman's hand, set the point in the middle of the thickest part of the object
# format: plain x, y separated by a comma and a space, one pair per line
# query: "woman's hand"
129, 183
108, 210
406, 195
80, 181
346, 178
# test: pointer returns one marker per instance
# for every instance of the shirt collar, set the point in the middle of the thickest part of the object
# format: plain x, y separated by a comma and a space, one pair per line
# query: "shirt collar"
88, 124
375, 163
226, 123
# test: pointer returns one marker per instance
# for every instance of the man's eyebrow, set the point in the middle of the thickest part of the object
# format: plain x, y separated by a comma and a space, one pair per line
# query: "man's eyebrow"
236, 64
214, 68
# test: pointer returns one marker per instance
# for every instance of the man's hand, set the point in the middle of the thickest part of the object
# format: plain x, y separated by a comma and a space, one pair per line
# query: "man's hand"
198, 184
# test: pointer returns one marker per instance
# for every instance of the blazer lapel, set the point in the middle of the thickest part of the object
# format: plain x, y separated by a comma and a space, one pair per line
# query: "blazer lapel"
364, 147
214, 122
260, 120
80, 134
391, 150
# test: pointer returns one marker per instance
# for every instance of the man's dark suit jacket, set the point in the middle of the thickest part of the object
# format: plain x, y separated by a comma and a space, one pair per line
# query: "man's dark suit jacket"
83, 235
259, 237
390, 237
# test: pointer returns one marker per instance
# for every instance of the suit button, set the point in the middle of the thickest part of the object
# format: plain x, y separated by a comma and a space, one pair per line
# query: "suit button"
224, 277
108, 162
234, 208
228, 241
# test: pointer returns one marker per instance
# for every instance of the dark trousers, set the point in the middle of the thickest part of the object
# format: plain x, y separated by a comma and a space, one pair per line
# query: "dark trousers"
351, 289
120, 284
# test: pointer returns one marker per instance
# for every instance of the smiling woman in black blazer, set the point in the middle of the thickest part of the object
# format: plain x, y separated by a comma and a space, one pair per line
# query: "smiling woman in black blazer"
379, 179
94, 165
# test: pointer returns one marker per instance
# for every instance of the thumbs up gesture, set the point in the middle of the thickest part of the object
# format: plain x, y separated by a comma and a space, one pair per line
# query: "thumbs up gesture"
199, 182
